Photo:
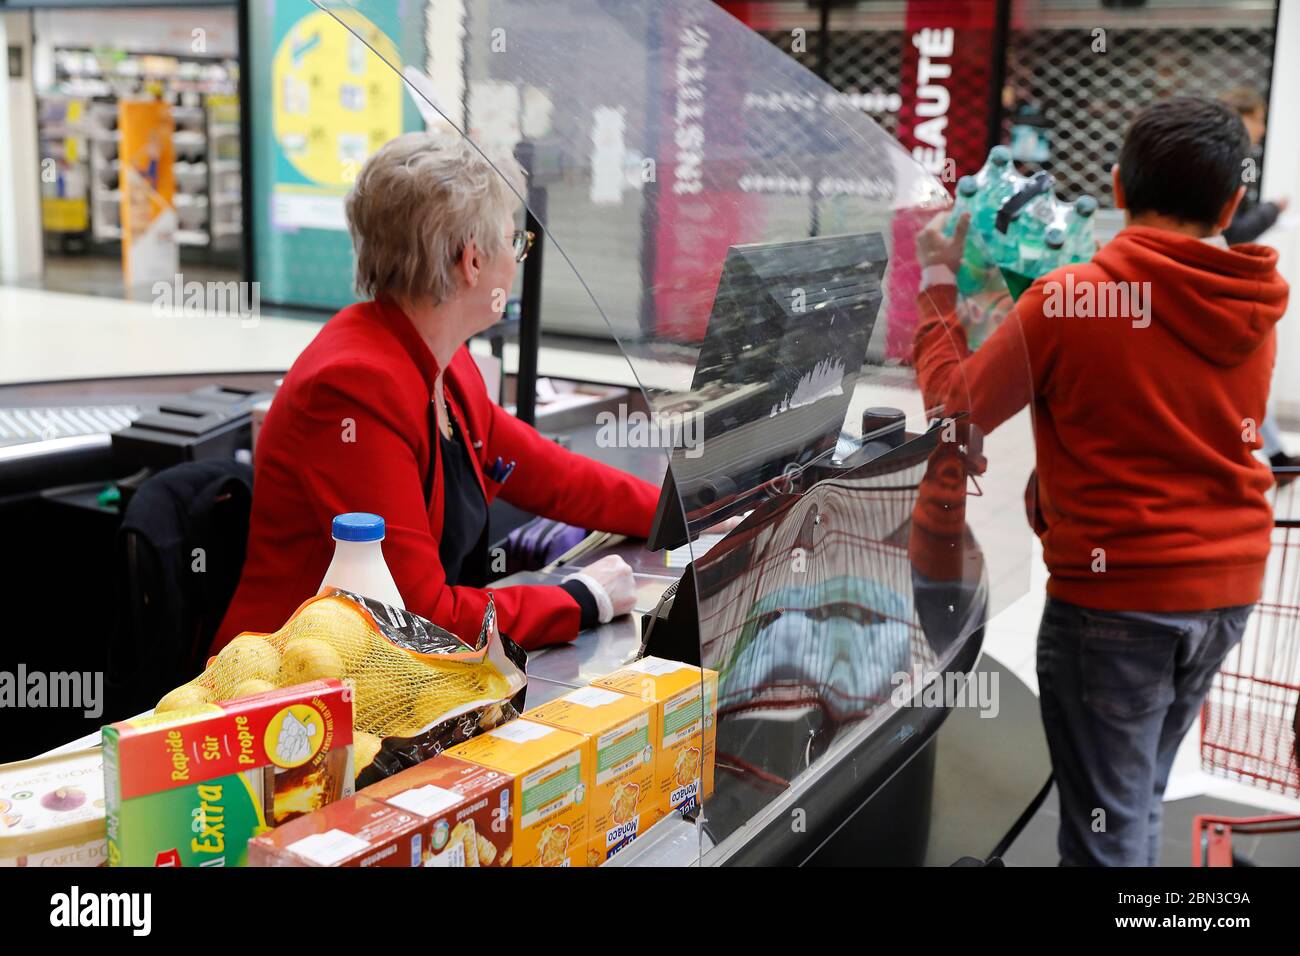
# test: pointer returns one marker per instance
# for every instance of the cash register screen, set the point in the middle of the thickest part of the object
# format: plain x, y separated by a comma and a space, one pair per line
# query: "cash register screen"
786, 340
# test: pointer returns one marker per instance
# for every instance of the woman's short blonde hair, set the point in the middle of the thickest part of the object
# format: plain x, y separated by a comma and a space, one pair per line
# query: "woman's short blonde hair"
416, 205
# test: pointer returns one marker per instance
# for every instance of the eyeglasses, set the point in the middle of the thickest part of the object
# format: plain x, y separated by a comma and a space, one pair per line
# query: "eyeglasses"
521, 241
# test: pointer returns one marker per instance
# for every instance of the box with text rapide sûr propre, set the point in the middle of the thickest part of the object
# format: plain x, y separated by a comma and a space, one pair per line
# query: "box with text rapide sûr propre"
191, 787
549, 788
620, 731
467, 805
685, 699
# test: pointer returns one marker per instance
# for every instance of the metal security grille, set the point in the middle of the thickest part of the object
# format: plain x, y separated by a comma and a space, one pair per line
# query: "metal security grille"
1091, 97
864, 64
1088, 96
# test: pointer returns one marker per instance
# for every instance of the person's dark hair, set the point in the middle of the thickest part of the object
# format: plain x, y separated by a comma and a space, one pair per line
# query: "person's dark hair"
1182, 158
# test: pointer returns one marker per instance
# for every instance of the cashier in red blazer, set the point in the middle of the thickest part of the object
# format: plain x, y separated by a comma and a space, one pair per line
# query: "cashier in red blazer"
386, 412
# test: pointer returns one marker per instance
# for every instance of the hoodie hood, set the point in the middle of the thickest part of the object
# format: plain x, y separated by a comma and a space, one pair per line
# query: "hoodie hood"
1222, 303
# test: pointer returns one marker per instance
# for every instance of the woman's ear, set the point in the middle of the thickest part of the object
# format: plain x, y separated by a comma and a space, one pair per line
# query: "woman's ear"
470, 264
1117, 187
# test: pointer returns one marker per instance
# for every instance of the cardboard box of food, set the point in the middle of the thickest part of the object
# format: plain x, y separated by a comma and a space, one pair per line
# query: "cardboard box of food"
190, 787
52, 811
687, 729
467, 805
355, 832
620, 732
549, 789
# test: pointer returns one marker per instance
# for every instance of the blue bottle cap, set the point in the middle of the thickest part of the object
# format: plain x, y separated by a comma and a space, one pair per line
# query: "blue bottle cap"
967, 186
1085, 206
358, 526
999, 155
1055, 237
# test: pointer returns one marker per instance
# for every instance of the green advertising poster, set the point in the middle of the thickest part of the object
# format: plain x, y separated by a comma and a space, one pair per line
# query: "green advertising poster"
321, 103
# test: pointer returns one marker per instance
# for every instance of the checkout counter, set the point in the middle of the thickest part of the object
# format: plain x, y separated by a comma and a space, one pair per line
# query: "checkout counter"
904, 786
746, 239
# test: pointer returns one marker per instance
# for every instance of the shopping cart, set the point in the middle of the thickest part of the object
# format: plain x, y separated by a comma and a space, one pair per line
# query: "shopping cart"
1250, 720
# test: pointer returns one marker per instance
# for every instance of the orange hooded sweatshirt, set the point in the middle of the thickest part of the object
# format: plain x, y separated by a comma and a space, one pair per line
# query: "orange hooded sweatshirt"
1148, 371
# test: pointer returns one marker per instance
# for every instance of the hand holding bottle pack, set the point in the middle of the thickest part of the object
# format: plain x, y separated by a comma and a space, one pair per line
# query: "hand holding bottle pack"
1017, 225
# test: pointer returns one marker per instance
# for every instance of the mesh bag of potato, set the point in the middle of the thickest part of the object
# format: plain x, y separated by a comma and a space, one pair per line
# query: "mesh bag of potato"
417, 687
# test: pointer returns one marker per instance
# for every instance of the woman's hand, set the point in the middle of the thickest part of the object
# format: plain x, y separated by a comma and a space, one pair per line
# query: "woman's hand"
614, 575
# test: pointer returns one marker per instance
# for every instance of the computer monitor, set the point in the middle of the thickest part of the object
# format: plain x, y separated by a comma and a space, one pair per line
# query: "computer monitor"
786, 340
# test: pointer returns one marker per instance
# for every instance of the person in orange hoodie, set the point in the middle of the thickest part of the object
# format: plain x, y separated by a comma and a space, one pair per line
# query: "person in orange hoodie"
1149, 372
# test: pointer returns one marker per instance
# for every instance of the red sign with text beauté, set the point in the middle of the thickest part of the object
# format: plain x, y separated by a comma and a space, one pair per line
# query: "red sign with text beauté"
944, 84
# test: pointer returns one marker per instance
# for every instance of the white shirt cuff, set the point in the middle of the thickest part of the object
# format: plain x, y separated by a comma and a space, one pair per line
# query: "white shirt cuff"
604, 606
938, 274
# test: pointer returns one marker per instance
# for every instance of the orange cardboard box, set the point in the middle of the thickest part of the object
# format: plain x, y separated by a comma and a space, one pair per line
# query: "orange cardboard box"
685, 713
620, 732
549, 788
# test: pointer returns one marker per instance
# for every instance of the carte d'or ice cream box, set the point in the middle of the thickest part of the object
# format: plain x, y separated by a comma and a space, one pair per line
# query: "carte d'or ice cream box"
549, 788
685, 715
467, 806
52, 811
620, 731
191, 787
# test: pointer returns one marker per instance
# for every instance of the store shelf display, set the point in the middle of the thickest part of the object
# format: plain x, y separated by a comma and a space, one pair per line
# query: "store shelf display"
203, 93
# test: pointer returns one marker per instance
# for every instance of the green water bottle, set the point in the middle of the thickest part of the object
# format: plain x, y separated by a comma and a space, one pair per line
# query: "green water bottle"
1054, 255
1005, 245
1017, 222
973, 275
997, 181
1080, 242
967, 188
1034, 222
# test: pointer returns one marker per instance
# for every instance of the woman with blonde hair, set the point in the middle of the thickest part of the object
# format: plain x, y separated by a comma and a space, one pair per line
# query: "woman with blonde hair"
386, 412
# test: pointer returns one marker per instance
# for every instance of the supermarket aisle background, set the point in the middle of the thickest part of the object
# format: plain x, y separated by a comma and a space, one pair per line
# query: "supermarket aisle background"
83, 65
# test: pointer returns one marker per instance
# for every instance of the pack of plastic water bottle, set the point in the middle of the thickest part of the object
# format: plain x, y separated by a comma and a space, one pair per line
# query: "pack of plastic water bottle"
1018, 226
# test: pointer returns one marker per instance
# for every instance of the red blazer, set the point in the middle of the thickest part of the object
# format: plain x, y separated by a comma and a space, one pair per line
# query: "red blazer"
349, 431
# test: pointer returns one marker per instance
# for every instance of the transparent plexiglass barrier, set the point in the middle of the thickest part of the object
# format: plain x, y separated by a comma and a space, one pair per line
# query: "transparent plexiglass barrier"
747, 237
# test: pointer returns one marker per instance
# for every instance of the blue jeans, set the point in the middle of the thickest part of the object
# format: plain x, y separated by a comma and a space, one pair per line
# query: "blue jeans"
1119, 691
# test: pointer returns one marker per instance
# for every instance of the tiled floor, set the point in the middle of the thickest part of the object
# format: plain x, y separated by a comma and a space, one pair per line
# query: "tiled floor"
101, 275
1037, 844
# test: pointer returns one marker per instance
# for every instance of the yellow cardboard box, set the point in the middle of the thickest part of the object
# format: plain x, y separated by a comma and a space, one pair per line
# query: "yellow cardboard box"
550, 788
620, 731
687, 728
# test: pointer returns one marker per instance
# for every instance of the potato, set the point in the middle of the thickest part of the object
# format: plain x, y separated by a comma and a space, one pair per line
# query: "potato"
375, 703
248, 688
245, 658
306, 659
187, 695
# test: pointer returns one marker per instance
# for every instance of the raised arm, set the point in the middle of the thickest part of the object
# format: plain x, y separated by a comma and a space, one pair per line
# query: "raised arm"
1006, 372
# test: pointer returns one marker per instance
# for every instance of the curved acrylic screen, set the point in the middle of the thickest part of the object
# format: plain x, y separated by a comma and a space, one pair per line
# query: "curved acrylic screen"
747, 237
